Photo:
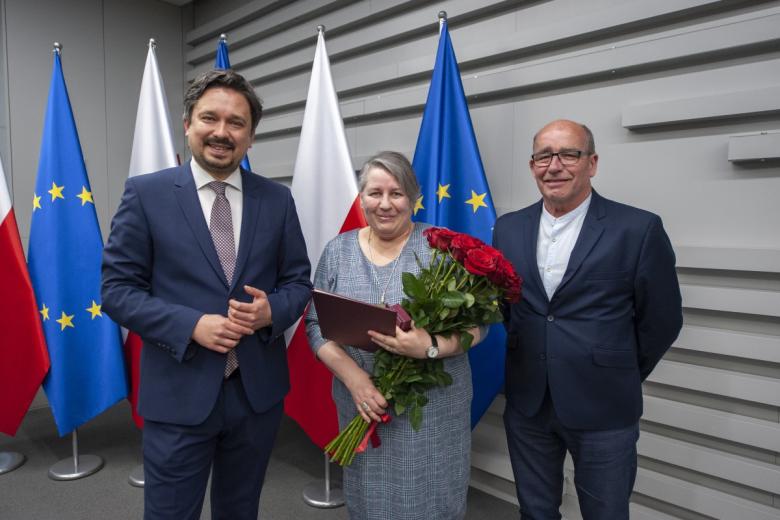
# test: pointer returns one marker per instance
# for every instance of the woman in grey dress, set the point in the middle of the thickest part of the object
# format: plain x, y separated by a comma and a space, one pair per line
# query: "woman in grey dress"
414, 474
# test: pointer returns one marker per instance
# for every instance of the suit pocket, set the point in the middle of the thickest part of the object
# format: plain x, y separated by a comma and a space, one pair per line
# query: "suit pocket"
614, 358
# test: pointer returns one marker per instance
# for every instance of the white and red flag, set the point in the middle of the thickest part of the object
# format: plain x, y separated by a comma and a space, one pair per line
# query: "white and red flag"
153, 150
24, 359
326, 196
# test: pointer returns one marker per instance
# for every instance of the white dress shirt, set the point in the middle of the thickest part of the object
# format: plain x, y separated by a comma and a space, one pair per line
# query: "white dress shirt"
207, 196
556, 240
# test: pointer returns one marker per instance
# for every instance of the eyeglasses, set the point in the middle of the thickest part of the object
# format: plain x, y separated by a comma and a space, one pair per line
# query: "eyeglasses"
567, 157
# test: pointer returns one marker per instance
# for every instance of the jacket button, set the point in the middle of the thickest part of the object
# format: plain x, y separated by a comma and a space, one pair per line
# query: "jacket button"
542, 356
550, 318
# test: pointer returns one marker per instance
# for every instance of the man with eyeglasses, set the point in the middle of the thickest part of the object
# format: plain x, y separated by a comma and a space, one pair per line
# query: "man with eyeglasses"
601, 305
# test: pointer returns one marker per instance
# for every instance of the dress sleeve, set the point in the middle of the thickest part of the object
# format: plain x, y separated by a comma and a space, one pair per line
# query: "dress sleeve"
325, 278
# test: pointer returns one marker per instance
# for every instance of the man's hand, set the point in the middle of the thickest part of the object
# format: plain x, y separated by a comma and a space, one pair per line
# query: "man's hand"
218, 333
253, 316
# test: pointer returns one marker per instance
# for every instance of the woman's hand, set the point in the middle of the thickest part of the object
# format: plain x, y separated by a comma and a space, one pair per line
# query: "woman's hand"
368, 400
413, 344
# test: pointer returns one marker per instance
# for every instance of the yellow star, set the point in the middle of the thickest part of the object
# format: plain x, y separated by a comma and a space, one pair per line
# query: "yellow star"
418, 205
65, 321
477, 201
36, 202
44, 312
85, 196
442, 192
56, 192
94, 310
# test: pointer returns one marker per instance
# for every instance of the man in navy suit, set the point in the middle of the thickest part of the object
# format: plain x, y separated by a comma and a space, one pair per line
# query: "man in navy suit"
207, 263
601, 304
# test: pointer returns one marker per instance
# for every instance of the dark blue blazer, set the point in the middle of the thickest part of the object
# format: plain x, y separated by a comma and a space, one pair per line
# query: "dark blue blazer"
161, 273
615, 313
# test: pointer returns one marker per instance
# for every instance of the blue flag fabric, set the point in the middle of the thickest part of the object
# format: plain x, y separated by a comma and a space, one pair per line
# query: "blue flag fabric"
87, 372
455, 194
223, 63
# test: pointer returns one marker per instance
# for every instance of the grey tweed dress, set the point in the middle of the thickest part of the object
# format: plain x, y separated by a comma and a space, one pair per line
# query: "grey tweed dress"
414, 474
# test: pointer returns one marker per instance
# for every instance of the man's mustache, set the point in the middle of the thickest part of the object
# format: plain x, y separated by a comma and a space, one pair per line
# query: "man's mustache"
221, 141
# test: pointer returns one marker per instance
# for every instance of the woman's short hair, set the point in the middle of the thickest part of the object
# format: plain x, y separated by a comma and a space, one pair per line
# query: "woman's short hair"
398, 166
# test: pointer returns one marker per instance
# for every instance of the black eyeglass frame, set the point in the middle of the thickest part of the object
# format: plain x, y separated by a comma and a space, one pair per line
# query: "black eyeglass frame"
561, 154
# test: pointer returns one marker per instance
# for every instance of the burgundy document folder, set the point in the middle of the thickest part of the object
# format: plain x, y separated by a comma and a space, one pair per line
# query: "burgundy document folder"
347, 321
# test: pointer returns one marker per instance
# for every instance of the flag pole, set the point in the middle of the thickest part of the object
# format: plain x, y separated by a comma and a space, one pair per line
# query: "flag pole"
76, 467
442, 19
136, 476
10, 460
323, 494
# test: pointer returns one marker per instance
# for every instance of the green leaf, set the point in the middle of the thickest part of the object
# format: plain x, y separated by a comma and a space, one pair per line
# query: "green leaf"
466, 339
413, 287
451, 284
399, 408
413, 378
469, 299
415, 417
453, 299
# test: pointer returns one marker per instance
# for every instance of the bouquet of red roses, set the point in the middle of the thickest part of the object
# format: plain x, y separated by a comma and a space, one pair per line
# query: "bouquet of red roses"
460, 289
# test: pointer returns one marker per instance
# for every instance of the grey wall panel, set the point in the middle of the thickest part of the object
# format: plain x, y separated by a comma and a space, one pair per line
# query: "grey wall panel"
694, 70
104, 50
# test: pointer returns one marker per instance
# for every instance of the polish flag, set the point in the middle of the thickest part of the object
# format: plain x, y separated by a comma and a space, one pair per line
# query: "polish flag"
24, 359
326, 196
153, 150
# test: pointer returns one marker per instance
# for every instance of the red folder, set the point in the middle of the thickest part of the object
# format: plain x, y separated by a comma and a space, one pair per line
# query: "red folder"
347, 321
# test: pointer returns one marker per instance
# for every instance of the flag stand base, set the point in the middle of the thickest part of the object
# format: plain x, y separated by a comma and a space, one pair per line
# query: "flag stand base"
10, 460
136, 478
320, 494
77, 466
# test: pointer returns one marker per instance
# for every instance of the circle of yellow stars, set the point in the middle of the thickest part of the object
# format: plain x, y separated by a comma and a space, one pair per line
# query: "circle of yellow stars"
476, 201
67, 320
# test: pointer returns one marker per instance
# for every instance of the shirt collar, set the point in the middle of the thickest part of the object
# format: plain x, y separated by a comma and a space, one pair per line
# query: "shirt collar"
202, 177
570, 216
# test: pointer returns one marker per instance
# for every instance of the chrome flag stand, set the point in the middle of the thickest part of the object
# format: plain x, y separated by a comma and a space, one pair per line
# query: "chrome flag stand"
10, 460
321, 495
136, 478
76, 467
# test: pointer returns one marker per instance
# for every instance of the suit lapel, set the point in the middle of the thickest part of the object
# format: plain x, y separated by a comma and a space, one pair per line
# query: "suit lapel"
249, 218
187, 196
530, 237
590, 233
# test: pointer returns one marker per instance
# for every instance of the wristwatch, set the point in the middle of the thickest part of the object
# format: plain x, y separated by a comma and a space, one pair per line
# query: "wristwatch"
433, 351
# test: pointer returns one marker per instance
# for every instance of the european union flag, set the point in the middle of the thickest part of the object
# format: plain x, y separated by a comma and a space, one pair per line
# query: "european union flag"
223, 63
455, 194
87, 372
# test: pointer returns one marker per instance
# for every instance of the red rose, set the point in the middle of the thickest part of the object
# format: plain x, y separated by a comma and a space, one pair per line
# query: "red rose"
439, 238
502, 272
462, 244
480, 262
513, 287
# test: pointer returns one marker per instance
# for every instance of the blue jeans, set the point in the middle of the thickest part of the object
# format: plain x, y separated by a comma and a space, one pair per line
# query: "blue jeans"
604, 465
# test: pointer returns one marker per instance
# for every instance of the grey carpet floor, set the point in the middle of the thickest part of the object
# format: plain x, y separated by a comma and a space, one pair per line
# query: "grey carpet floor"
28, 494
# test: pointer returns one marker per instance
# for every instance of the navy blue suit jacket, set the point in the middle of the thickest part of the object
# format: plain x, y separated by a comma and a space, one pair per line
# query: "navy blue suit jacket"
615, 313
161, 273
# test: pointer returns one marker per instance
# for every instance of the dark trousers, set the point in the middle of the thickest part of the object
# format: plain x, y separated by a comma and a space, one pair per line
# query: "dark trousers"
233, 444
604, 465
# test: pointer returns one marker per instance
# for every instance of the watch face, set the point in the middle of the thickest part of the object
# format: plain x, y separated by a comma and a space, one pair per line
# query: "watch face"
432, 351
